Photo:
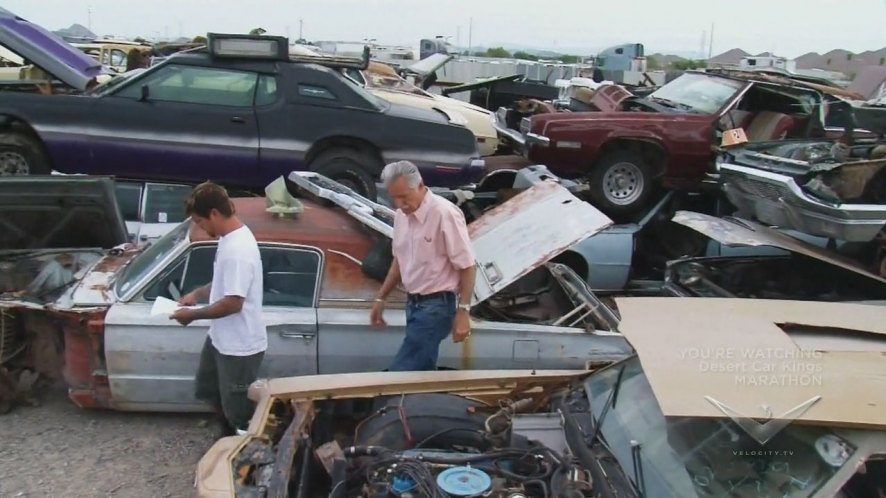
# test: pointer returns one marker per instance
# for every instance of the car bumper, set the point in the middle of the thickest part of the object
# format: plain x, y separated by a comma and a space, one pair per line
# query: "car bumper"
778, 200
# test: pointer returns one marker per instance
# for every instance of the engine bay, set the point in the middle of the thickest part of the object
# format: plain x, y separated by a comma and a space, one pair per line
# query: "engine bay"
43, 275
433, 445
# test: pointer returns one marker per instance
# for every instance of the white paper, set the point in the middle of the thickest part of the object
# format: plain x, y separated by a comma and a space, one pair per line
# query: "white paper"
162, 217
163, 306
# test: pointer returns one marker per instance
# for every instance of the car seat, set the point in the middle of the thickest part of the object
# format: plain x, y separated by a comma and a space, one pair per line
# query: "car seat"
768, 125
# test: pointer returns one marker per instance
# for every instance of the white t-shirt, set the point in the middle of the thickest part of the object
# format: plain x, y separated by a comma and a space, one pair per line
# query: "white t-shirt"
237, 271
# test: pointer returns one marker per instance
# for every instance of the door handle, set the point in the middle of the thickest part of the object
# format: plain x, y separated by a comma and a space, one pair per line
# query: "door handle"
238, 120
295, 334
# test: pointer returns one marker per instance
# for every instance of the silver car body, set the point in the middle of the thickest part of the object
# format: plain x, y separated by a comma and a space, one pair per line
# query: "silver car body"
151, 360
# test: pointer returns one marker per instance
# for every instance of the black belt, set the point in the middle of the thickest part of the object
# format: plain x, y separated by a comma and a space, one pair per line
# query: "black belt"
433, 295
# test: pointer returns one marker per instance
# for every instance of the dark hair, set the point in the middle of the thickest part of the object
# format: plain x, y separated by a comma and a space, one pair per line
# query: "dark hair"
206, 197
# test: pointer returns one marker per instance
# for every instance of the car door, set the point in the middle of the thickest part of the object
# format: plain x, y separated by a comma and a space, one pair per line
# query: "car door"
152, 360
193, 123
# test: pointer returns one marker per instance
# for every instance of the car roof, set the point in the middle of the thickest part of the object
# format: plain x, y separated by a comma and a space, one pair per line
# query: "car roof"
341, 238
741, 353
203, 59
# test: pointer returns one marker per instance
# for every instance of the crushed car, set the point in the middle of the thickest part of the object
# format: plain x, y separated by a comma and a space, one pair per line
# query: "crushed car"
796, 270
242, 111
829, 188
96, 327
649, 425
626, 145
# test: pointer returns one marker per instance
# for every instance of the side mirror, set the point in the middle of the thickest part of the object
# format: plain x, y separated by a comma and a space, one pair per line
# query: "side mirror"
145, 93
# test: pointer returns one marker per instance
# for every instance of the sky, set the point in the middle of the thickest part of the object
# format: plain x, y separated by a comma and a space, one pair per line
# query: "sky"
786, 27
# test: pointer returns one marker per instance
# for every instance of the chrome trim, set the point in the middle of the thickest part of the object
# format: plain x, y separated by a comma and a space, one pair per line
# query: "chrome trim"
536, 139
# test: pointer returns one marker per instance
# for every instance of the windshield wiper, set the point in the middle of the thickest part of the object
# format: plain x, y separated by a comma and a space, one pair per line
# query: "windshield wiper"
671, 103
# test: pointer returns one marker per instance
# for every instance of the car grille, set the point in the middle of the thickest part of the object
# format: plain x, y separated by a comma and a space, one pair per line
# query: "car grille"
757, 188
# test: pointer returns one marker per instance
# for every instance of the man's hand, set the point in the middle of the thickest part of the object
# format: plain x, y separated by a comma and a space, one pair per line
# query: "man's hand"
461, 328
184, 316
189, 299
376, 320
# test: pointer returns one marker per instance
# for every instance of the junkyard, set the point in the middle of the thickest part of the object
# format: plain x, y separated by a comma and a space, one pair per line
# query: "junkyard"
677, 263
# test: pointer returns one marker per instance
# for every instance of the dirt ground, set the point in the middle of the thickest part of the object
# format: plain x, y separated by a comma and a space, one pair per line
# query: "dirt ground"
57, 449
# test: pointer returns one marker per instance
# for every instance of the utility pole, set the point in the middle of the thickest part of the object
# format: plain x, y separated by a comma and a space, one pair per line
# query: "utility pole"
711, 44
458, 35
470, 34
701, 47
301, 25
89, 17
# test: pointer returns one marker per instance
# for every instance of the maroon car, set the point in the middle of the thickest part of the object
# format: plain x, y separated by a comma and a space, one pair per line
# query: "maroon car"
626, 145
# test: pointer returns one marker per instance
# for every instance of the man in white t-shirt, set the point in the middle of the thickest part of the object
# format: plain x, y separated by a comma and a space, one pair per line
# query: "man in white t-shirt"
237, 340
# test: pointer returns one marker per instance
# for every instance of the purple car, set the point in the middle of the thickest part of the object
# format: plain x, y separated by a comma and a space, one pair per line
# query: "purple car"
240, 111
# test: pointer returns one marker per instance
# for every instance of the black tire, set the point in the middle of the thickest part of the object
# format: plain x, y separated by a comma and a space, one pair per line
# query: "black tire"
350, 168
621, 182
22, 154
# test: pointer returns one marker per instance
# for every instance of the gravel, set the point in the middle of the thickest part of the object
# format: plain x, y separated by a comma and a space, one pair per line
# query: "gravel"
57, 449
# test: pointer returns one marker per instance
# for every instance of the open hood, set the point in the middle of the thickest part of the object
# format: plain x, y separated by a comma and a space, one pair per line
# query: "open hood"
733, 232
47, 51
509, 240
429, 65
59, 212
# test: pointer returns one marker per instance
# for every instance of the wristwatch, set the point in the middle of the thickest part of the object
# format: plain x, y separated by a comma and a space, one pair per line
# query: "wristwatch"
464, 307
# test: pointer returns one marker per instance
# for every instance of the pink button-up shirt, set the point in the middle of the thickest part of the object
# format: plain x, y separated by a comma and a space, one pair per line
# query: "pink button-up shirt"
431, 246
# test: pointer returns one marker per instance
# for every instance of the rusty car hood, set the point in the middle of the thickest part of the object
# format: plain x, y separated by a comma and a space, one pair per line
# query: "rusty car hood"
535, 226
47, 51
731, 231
59, 212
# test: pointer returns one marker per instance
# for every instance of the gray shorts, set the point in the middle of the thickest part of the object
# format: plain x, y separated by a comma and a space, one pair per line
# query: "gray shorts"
224, 380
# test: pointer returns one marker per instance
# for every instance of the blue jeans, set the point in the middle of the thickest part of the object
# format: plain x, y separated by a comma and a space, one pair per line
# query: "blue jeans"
428, 322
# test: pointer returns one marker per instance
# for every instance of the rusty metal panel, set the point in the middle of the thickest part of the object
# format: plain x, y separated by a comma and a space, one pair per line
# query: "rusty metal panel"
527, 231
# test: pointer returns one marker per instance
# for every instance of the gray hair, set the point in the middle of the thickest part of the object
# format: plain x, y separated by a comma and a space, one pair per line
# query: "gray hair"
404, 169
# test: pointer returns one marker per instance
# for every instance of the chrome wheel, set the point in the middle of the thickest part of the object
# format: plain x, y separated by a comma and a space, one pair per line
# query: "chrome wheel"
13, 164
623, 184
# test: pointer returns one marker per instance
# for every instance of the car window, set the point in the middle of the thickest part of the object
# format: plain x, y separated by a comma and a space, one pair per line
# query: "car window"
129, 197
118, 58
289, 275
196, 85
316, 92
165, 203
267, 90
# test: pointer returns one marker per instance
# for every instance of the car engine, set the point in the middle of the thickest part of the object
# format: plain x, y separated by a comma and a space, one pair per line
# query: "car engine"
429, 446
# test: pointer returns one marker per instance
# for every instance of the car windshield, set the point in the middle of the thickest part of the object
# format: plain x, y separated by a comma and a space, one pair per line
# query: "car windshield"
698, 92
142, 264
687, 456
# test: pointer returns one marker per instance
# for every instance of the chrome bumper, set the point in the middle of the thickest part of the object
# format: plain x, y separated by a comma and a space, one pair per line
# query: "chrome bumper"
778, 200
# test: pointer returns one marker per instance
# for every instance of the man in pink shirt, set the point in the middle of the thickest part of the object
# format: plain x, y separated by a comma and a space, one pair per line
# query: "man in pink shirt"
434, 261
